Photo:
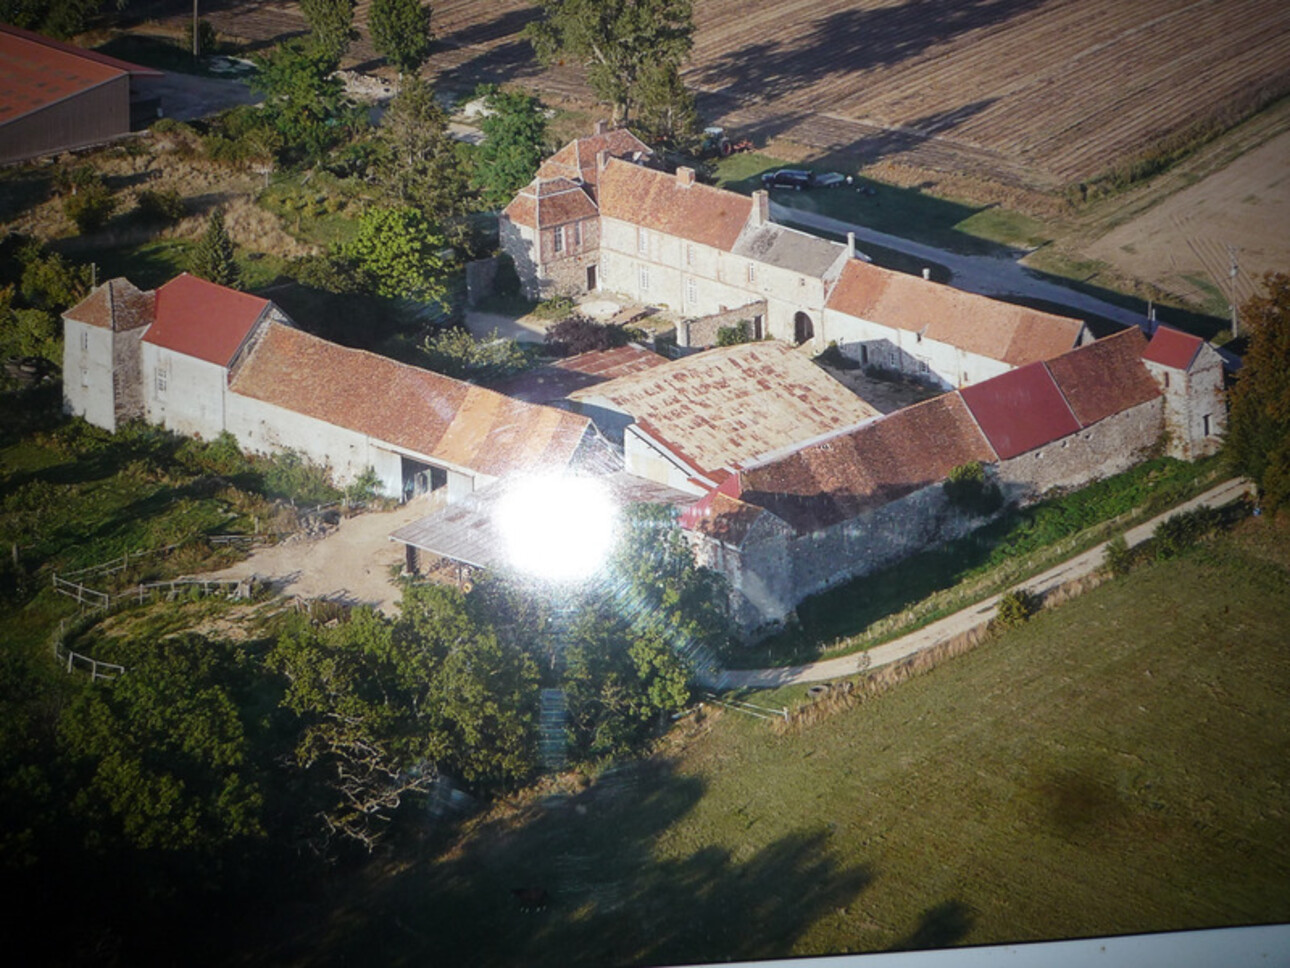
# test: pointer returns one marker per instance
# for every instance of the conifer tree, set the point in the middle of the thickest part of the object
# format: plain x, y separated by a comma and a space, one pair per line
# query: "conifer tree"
212, 259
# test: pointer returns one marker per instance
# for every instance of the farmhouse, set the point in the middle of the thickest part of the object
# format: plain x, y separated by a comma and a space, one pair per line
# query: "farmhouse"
598, 217
202, 360
56, 97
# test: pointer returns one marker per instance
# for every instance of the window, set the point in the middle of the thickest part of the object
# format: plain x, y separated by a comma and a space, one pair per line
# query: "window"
1206, 422
575, 234
85, 381
1166, 376
691, 292
689, 254
642, 241
85, 340
644, 278
161, 382
558, 237
752, 273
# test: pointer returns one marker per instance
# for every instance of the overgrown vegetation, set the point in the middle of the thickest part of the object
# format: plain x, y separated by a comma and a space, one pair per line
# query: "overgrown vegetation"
969, 489
456, 353
581, 334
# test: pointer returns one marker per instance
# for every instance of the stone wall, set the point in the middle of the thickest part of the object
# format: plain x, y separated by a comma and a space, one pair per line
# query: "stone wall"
1195, 405
127, 375
701, 333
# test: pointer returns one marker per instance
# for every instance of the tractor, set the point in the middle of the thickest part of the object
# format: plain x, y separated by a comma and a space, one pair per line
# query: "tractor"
715, 143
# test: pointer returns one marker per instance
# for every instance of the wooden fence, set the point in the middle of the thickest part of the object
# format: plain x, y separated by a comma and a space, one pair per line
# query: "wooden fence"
97, 600
75, 660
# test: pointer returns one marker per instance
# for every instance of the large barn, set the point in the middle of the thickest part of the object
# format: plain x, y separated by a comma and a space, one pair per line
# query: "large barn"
56, 97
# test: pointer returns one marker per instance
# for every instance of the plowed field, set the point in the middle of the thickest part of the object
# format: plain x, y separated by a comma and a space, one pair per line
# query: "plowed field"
1031, 93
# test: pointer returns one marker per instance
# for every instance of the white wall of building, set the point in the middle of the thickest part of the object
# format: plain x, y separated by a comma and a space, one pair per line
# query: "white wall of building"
87, 373
183, 393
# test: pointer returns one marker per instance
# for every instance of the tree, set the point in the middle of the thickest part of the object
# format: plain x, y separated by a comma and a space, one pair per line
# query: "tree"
666, 110
212, 257
401, 32
580, 334
304, 102
1258, 430
89, 205
420, 165
617, 41
514, 134
969, 489
331, 26
57, 18
456, 353
400, 255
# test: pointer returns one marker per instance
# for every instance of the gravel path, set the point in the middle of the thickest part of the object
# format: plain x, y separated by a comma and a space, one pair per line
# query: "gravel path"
962, 621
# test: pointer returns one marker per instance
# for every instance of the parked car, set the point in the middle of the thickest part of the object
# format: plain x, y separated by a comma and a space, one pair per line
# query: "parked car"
793, 178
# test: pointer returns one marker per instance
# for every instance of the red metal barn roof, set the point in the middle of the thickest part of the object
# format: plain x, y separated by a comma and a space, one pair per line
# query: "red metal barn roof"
1172, 348
1020, 410
201, 319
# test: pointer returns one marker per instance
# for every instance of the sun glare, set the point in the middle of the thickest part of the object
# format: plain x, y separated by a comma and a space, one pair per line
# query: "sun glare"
557, 527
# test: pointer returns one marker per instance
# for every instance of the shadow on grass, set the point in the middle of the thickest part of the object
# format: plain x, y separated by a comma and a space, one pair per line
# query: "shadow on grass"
610, 899
939, 927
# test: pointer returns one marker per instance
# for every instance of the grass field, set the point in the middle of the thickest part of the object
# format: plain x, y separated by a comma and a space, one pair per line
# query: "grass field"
1120, 764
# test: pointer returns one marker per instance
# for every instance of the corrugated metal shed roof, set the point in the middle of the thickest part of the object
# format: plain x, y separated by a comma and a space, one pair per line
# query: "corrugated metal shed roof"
725, 406
1172, 348
203, 320
414, 409
36, 71
1020, 410
557, 380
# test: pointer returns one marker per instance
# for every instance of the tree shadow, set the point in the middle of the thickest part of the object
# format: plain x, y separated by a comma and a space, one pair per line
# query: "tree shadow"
940, 927
509, 23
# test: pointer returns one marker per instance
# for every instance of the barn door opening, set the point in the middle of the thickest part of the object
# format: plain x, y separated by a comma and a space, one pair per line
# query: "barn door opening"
803, 328
419, 478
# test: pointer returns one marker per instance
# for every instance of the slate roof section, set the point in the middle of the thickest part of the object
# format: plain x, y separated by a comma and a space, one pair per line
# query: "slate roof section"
417, 410
778, 245
722, 407
978, 324
662, 202
37, 71
557, 380
1173, 348
844, 475
1105, 377
577, 159
203, 320
550, 203
117, 305
1020, 410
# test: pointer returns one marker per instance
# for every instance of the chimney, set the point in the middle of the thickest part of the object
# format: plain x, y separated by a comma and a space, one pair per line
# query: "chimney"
685, 176
927, 274
761, 207
851, 245
602, 126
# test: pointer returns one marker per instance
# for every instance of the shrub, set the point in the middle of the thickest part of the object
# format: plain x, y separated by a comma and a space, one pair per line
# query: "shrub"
1179, 532
1118, 558
578, 334
969, 489
366, 486
1015, 609
557, 307
161, 206
89, 206
740, 332
507, 280
205, 34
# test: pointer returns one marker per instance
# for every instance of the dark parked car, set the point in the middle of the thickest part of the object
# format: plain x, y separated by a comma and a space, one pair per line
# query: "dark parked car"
787, 178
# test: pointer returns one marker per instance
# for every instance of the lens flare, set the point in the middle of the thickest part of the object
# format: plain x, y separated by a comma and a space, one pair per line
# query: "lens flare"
557, 527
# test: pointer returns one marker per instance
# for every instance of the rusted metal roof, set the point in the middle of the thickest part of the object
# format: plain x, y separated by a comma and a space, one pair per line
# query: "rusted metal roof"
978, 324
722, 407
1105, 377
545, 384
117, 305
420, 411
37, 71
1020, 410
662, 202
203, 320
1173, 348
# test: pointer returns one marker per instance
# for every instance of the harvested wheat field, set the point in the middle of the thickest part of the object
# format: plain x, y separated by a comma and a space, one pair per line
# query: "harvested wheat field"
1036, 94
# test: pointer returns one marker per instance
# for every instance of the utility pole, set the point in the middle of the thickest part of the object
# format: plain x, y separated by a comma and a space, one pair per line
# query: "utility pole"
197, 34
1232, 273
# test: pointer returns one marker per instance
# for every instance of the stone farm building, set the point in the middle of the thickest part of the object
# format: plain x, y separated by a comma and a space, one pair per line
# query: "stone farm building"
598, 217
203, 360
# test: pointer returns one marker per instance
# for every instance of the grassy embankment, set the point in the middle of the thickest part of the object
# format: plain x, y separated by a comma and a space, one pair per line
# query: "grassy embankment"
1120, 764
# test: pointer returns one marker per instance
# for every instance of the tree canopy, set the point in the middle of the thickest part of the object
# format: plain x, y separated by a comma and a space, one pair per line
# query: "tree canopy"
420, 164
400, 255
331, 25
401, 32
304, 102
618, 42
514, 140
212, 257
1258, 430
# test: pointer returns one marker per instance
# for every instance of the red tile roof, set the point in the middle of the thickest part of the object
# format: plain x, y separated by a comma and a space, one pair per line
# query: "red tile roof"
1020, 410
721, 407
1172, 348
36, 71
577, 159
977, 324
199, 318
1105, 377
659, 201
549, 203
420, 411
115, 305
839, 477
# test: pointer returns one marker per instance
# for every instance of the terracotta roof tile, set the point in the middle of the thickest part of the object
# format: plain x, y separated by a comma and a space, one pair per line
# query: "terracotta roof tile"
199, 318
725, 406
1173, 348
839, 477
1020, 410
411, 408
978, 324
1105, 377
522, 209
659, 201
116, 305
577, 159
36, 71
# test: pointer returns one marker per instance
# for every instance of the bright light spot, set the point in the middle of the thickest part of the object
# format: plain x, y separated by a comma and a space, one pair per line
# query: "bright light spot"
557, 527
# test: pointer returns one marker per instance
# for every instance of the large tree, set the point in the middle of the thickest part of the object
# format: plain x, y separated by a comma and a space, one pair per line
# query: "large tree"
212, 257
666, 112
514, 133
1258, 431
304, 102
331, 25
401, 31
420, 164
399, 255
617, 41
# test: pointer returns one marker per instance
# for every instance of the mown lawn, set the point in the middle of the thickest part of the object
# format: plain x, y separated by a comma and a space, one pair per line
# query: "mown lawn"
1121, 764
